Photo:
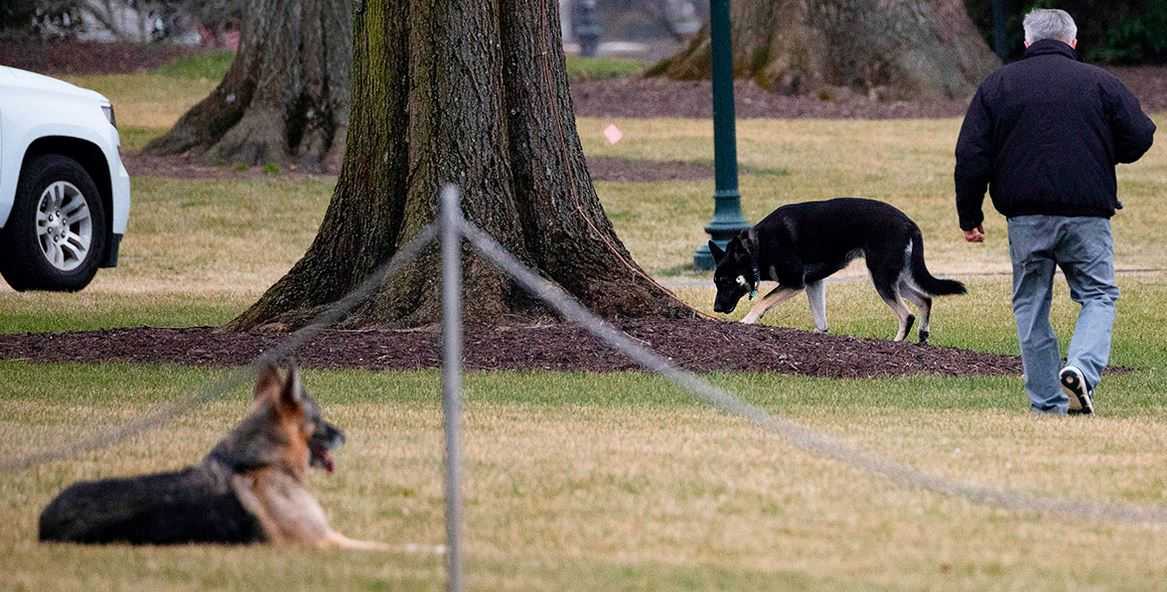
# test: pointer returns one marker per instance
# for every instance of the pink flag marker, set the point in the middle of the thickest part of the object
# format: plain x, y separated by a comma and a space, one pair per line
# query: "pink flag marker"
613, 133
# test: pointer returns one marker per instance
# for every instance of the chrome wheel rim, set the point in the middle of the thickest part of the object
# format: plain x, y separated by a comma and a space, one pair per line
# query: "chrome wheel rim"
64, 226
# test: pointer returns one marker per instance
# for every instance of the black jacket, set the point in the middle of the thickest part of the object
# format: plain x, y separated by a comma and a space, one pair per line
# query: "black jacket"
1044, 135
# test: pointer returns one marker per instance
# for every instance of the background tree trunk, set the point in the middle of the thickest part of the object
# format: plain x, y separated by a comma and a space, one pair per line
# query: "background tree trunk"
886, 48
475, 93
286, 95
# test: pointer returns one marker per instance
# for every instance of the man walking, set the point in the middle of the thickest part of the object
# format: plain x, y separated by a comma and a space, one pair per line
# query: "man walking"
1044, 135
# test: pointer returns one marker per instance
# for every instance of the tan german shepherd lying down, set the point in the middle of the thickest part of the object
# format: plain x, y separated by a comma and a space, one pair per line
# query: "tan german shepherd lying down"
251, 488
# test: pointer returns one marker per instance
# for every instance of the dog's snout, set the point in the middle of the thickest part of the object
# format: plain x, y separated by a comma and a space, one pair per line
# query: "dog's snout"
328, 435
724, 308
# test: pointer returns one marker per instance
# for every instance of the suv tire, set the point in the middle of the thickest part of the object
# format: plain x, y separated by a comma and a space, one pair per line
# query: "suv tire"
56, 234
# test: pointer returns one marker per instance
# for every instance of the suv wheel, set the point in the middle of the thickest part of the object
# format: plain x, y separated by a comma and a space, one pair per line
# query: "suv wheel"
56, 233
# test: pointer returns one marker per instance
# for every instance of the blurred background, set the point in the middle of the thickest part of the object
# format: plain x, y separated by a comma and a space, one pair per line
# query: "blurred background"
1111, 31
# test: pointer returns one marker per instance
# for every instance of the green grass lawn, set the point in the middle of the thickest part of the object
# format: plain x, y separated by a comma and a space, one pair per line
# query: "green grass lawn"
616, 481
620, 482
581, 68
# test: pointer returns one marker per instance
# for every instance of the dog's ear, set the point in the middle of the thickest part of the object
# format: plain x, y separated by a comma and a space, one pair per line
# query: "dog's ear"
737, 247
292, 393
268, 383
718, 254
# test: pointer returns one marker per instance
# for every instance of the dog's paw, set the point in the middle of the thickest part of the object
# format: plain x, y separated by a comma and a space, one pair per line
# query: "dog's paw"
924, 337
749, 320
822, 331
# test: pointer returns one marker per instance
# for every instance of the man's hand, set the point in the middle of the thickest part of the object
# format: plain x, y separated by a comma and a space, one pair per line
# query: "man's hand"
975, 235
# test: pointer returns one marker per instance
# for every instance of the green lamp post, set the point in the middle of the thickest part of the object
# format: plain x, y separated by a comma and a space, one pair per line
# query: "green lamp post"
727, 200
1000, 47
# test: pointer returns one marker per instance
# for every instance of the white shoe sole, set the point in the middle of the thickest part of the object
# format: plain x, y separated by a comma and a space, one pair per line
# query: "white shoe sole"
1074, 385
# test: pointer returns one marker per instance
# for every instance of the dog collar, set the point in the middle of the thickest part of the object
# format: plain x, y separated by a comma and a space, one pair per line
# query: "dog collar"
218, 456
755, 272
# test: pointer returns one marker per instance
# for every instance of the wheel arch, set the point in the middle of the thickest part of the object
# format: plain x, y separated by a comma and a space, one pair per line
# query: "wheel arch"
91, 158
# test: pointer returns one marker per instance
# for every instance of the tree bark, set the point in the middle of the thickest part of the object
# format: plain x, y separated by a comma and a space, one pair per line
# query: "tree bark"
472, 92
286, 97
885, 48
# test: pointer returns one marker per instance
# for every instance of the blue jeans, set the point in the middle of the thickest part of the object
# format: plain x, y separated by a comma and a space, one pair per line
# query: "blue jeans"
1084, 249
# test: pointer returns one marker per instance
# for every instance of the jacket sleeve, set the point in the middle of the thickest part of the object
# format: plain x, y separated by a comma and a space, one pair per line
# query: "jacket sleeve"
1133, 130
974, 162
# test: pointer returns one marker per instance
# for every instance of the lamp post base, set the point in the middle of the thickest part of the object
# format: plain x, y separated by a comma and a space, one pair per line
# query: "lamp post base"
727, 222
703, 258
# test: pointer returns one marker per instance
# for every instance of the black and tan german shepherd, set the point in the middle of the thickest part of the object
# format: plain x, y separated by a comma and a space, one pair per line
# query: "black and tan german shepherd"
799, 245
251, 488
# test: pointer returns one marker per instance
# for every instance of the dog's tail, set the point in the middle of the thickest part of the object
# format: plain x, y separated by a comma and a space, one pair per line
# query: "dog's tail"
922, 278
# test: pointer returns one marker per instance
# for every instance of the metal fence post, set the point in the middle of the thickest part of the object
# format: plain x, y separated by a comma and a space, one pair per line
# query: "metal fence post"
451, 237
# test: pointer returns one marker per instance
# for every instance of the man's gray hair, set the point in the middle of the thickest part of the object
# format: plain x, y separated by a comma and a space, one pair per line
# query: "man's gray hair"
1049, 23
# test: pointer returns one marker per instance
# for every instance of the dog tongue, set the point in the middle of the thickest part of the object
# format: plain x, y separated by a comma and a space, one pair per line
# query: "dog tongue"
326, 459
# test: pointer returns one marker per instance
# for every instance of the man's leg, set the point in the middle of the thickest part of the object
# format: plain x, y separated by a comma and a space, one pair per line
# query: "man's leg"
1086, 255
1031, 240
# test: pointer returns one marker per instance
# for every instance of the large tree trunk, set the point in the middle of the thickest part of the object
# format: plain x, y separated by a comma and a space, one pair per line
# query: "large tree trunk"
887, 48
471, 92
286, 96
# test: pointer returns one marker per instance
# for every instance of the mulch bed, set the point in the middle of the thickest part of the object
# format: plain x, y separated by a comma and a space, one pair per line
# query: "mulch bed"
699, 345
604, 168
633, 97
189, 166
654, 97
1149, 83
79, 57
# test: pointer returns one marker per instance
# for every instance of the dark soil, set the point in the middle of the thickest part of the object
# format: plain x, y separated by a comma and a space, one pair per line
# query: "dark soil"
633, 97
654, 97
605, 168
697, 345
1149, 83
75, 57
189, 166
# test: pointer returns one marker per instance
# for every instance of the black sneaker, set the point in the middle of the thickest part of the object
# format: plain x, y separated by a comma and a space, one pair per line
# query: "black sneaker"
1077, 390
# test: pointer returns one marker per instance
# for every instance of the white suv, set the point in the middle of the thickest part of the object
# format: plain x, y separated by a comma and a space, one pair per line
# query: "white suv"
64, 193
